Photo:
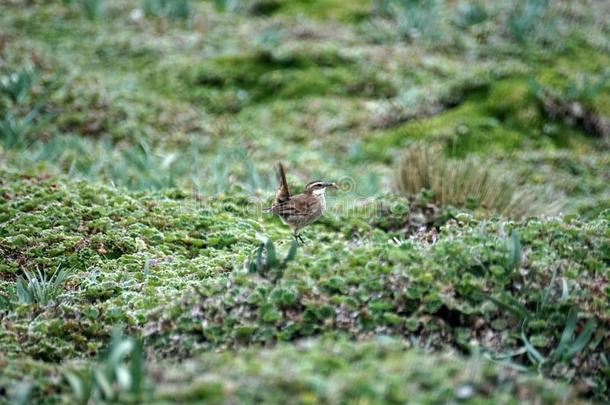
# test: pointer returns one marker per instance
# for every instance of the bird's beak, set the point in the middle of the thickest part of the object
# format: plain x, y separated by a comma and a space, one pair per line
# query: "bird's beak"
333, 185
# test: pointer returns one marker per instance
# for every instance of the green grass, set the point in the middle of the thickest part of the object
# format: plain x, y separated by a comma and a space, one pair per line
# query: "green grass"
38, 288
323, 10
137, 146
501, 118
228, 83
472, 183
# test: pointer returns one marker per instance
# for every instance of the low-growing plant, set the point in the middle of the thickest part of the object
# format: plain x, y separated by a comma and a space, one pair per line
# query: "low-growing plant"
119, 375
577, 102
525, 18
336, 371
413, 18
22, 393
175, 9
92, 8
263, 264
514, 251
568, 345
470, 183
241, 6
38, 288
5, 302
471, 13
141, 166
584, 88
18, 84
14, 130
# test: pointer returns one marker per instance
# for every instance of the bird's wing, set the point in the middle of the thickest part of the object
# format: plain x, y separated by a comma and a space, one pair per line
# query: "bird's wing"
296, 205
283, 192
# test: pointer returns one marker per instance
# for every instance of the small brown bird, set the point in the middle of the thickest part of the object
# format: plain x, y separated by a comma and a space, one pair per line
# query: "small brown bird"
298, 211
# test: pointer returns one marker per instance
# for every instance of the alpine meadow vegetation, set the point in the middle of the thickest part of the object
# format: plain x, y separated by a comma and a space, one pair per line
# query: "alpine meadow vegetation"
464, 258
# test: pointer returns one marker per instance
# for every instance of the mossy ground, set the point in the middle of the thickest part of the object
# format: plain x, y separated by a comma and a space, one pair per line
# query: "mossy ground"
144, 154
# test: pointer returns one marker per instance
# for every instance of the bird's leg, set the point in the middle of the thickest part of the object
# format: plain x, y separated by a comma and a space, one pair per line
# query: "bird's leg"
298, 237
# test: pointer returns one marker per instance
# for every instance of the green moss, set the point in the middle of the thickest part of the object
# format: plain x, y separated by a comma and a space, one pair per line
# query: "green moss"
229, 83
467, 128
326, 9
574, 60
509, 96
352, 11
504, 118
570, 74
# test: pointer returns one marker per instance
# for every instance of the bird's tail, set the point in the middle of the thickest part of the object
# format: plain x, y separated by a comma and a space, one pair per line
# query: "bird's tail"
283, 191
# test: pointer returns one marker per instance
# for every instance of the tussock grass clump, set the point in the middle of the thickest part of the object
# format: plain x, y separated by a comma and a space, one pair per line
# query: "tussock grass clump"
262, 264
174, 9
471, 183
38, 288
92, 9
14, 131
412, 18
527, 18
119, 374
17, 85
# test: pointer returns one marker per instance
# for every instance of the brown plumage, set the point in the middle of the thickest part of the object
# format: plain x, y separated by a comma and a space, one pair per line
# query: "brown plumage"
283, 192
298, 211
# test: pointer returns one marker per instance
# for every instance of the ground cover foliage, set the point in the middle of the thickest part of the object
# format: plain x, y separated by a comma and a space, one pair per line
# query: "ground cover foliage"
465, 257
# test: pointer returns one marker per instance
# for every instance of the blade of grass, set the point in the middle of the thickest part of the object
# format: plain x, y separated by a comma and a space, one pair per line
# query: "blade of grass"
531, 350
566, 336
583, 339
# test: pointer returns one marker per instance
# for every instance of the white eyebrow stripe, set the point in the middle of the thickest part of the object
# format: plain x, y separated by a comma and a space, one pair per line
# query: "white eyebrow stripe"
315, 184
